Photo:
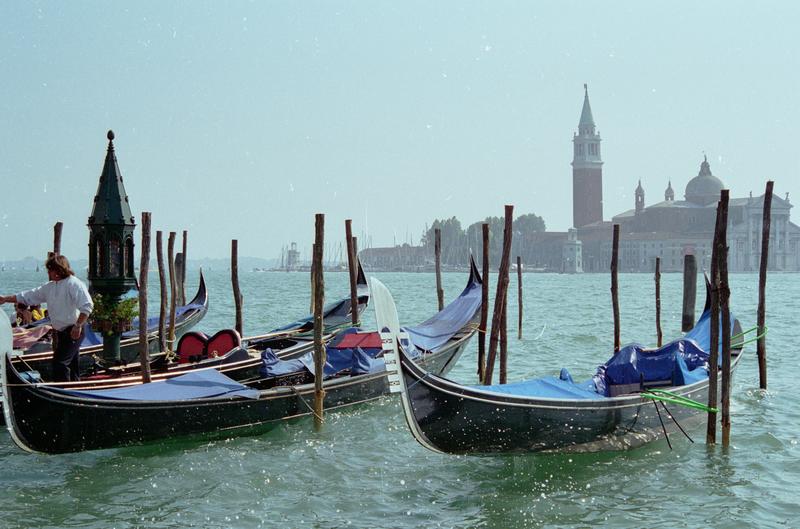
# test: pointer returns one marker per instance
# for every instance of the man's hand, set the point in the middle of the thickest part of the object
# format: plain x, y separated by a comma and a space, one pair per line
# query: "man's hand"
75, 333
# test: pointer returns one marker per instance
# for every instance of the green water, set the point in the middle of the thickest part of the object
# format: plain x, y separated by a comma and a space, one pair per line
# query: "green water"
365, 470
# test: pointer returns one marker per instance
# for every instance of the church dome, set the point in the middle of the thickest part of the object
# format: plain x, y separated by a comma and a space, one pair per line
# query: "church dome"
704, 188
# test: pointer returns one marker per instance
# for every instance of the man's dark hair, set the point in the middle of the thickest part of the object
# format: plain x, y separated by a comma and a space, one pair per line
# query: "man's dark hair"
60, 265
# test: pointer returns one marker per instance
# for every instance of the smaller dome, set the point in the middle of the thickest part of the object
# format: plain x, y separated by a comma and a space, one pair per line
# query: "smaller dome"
704, 188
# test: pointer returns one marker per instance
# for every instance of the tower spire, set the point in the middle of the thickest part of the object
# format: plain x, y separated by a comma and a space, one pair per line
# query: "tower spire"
639, 195
111, 201
669, 194
587, 169
586, 124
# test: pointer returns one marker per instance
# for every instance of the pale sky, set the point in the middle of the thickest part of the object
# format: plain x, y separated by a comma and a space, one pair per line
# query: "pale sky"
244, 119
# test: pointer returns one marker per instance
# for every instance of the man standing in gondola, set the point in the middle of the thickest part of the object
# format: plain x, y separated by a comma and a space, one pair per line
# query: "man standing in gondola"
68, 306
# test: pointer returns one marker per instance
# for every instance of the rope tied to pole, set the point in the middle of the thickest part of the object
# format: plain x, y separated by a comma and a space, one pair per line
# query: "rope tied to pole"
673, 398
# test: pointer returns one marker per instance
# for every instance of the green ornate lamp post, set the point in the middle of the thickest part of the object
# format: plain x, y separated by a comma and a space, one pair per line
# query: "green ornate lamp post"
111, 226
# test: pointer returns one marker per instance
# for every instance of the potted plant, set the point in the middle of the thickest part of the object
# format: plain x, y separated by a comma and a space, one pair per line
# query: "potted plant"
112, 316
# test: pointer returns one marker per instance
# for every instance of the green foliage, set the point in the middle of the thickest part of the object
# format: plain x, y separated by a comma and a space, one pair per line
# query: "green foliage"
111, 312
457, 243
529, 223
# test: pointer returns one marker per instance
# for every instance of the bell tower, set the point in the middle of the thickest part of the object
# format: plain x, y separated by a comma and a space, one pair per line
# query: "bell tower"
587, 170
639, 196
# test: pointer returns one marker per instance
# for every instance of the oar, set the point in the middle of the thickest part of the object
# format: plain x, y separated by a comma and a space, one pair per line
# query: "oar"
385, 308
389, 329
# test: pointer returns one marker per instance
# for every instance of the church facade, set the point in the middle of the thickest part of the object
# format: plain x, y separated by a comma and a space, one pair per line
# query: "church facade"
671, 229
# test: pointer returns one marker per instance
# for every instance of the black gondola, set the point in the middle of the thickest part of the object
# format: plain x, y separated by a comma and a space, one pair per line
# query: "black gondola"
288, 341
39, 355
553, 413
43, 418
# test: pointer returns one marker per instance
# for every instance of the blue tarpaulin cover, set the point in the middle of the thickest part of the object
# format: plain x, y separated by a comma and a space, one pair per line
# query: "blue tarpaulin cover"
272, 366
547, 387
338, 360
201, 384
438, 329
357, 361
676, 362
683, 361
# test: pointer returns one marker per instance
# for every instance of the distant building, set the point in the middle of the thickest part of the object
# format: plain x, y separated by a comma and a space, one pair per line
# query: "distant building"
671, 229
292, 257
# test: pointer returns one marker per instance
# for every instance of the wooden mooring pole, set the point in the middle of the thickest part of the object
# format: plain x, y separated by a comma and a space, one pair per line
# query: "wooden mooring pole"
351, 267
437, 245
237, 294
319, 295
689, 291
144, 265
500, 296
519, 297
484, 305
172, 293
179, 278
313, 281
761, 345
59, 226
614, 285
504, 343
659, 336
162, 280
183, 269
713, 354
725, 319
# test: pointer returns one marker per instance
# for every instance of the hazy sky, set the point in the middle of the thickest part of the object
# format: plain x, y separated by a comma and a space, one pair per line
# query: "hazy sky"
242, 120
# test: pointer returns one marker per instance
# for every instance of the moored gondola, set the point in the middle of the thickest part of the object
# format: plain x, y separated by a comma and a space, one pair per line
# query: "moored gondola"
240, 360
46, 418
617, 409
39, 355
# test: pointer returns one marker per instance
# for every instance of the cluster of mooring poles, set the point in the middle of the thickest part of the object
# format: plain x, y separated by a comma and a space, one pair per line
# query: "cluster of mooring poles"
168, 301
317, 302
498, 336
720, 311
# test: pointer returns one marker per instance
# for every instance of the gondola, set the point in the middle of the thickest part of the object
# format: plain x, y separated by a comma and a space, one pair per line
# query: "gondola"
623, 406
240, 359
44, 418
39, 355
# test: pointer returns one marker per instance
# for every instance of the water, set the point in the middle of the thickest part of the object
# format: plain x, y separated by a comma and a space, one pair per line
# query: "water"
365, 470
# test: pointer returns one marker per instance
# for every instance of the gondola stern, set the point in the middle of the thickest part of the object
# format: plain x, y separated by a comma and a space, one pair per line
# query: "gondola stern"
10, 378
474, 273
395, 357
201, 297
